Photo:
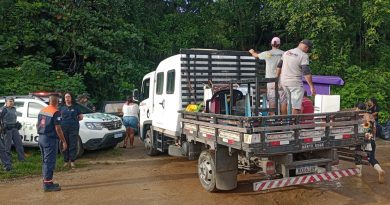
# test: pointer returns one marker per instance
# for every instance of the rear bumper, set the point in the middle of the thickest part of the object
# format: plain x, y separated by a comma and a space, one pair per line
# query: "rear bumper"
305, 179
109, 140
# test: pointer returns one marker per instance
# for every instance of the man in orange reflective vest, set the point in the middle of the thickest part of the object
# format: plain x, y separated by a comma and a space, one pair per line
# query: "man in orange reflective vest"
49, 131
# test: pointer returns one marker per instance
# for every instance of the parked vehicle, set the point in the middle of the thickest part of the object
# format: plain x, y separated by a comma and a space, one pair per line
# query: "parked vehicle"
112, 107
234, 132
97, 130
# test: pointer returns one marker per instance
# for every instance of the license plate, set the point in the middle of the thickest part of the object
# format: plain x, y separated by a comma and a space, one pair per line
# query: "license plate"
305, 170
118, 135
313, 145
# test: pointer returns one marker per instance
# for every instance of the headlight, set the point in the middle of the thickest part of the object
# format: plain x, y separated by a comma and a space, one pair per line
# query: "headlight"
94, 125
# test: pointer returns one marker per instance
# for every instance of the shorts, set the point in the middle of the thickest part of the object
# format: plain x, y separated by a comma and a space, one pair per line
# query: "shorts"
296, 96
271, 93
130, 122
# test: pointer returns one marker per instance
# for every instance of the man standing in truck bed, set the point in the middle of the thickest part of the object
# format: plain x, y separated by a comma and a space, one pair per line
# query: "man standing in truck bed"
272, 58
293, 64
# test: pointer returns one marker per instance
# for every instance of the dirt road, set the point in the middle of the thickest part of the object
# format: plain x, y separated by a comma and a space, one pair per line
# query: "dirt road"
132, 177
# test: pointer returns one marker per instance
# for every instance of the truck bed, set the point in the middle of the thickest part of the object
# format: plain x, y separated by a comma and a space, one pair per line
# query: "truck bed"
273, 135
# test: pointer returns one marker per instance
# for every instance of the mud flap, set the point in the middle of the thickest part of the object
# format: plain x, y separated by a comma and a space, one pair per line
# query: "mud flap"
226, 168
194, 150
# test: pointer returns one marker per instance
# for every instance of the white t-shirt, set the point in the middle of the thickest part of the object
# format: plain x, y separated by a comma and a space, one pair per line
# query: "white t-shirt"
130, 110
271, 58
293, 60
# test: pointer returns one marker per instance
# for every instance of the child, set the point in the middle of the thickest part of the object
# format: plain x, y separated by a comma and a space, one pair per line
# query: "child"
369, 144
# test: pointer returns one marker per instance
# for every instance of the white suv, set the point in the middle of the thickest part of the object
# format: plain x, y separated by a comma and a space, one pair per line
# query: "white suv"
97, 130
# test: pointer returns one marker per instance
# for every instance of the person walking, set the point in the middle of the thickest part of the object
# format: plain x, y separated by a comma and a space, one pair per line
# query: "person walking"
130, 120
293, 64
49, 130
373, 109
369, 145
11, 126
272, 57
71, 115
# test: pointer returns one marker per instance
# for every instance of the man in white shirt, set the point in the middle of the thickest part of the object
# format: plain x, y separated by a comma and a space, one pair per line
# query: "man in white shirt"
293, 64
272, 58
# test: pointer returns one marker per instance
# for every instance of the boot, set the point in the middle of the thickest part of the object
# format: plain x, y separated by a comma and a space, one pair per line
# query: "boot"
381, 173
360, 167
50, 187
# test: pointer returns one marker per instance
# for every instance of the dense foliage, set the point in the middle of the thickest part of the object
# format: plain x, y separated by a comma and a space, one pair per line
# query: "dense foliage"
104, 47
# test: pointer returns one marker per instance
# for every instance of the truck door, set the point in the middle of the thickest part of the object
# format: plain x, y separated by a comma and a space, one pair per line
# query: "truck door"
159, 101
146, 104
167, 101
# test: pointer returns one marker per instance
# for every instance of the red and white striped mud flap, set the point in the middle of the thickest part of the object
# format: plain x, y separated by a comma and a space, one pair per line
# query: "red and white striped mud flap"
305, 179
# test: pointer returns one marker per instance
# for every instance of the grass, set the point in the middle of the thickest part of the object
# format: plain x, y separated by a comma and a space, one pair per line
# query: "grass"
31, 167
33, 164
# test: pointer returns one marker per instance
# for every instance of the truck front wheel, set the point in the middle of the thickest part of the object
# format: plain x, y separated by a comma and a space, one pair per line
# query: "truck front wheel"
207, 171
150, 149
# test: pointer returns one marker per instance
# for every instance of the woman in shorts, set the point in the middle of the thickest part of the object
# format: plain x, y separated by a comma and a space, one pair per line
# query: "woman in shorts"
130, 120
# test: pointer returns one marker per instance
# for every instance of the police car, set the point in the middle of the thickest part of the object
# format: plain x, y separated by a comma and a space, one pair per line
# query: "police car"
97, 130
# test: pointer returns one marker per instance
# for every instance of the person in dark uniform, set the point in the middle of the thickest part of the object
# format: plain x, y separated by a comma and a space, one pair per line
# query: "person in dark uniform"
49, 131
8, 117
5, 160
70, 117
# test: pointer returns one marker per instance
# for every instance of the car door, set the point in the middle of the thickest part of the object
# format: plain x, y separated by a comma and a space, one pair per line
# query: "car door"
30, 135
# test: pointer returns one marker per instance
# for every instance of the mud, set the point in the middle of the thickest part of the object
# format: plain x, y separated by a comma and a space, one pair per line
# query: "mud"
135, 178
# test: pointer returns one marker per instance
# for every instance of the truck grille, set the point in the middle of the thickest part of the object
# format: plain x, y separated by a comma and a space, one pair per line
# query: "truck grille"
113, 125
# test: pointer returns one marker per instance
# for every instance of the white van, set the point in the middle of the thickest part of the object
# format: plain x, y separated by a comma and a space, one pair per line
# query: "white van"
97, 130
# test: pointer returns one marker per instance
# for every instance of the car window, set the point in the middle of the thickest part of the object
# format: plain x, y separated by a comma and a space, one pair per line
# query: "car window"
19, 108
113, 107
34, 109
84, 110
17, 105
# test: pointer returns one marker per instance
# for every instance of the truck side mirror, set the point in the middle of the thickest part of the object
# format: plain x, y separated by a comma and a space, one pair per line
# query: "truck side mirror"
136, 95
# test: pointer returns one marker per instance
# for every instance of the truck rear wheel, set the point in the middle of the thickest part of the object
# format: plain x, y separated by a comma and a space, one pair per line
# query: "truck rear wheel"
150, 149
207, 171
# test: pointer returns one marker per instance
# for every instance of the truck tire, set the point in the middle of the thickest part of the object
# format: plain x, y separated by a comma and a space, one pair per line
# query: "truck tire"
149, 147
80, 148
207, 170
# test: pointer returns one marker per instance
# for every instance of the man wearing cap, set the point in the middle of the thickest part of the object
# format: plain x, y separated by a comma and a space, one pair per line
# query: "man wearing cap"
83, 99
8, 117
272, 58
293, 64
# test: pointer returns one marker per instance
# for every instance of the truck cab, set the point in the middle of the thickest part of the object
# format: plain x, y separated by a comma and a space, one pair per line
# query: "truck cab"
161, 96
